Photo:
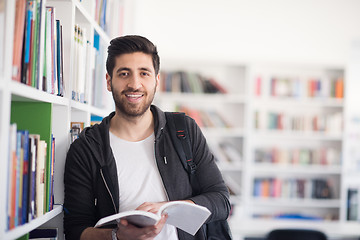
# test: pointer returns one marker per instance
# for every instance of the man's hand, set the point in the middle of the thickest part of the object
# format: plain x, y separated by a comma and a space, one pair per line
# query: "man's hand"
154, 206
151, 206
128, 231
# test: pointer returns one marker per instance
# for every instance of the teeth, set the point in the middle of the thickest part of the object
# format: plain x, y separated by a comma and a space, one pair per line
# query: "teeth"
134, 95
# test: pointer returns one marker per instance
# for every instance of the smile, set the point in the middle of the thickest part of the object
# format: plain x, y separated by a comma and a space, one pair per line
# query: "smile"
134, 95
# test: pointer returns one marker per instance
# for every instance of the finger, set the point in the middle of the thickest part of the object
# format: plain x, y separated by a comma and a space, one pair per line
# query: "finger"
123, 222
161, 223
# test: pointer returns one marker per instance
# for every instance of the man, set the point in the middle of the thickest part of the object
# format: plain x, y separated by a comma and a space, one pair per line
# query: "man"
129, 162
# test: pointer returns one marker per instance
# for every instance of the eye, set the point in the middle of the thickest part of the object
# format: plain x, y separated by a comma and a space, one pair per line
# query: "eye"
123, 74
145, 74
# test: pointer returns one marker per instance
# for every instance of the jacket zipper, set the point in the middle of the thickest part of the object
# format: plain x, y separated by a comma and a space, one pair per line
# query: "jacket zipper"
165, 161
107, 187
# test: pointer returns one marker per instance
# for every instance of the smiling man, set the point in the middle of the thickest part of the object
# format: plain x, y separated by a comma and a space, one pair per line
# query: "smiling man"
129, 162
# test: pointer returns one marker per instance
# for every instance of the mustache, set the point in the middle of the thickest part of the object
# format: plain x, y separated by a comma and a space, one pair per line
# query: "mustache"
131, 90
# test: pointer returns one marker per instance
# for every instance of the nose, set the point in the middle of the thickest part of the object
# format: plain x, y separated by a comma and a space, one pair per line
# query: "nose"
134, 82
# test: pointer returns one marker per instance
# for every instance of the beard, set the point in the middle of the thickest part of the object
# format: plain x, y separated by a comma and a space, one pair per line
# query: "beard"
132, 109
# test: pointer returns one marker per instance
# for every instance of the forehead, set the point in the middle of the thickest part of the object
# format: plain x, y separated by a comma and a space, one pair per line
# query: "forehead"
134, 61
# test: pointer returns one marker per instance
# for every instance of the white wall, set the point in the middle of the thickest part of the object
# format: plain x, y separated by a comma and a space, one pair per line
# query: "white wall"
296, 31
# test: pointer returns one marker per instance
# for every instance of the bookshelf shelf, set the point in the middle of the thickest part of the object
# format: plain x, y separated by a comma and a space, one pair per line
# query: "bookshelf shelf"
22, 92
21, 230
309, 169
299, 203
298, 102
297, 135
99, 112
79, 106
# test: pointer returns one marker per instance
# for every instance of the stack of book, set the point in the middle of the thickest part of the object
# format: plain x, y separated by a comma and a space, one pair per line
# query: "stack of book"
188, 82
31, 176
299, 156
293, 188
38, 48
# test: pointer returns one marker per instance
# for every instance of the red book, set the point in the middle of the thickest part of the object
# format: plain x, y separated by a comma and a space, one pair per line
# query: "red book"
258, 86
18, 39
339, 88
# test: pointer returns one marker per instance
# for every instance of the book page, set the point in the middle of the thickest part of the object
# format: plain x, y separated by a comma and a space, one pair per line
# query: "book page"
135, 217
186, 216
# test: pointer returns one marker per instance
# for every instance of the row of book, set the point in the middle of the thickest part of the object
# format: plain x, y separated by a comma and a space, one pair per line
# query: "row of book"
330, 122
38, 48
83, 67
205, 117
189, 82
100, 96
302, 88
299, 156
31, 175
293, 188
294, 215
107, 12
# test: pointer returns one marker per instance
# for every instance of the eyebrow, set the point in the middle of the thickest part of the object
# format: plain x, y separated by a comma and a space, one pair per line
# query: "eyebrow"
128, 69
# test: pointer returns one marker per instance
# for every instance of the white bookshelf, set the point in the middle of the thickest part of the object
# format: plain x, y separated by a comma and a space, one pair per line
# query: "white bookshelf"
245, 103
64, 109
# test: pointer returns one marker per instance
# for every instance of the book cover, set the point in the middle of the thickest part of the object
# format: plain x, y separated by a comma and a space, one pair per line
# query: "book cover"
12, 176
59, 56
186, 216
40, 177
48, 40
27, 41
44, 233
20, 13
18, 178
33, 140
25, 174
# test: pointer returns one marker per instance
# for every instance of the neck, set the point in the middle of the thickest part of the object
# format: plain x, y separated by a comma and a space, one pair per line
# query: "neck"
132, 129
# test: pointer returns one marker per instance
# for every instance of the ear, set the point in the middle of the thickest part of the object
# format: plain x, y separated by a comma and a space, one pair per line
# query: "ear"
108, 82
157, 82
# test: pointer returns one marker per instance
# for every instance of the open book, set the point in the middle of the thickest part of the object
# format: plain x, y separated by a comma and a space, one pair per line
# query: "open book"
186, 216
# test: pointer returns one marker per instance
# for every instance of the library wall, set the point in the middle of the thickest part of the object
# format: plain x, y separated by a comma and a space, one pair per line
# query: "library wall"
280, 31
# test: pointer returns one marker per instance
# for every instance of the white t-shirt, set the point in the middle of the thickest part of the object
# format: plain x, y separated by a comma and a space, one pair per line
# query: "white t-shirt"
139, 177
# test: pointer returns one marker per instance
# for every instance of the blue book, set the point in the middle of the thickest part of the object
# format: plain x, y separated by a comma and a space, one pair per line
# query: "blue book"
27, 38
58, 55
25, 190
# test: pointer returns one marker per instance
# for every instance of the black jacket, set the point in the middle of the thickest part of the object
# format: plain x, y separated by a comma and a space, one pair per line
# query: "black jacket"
91, 183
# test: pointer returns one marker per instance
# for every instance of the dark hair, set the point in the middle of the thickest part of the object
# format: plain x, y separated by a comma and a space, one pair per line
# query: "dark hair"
131, 44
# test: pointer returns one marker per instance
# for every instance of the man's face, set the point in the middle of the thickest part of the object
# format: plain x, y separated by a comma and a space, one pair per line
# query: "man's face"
133, 84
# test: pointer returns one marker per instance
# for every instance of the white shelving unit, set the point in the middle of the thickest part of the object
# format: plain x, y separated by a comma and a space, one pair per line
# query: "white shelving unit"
232, 106
64, 110
245, 104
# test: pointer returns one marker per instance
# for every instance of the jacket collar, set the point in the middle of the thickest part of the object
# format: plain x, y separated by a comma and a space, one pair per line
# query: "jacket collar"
98, 135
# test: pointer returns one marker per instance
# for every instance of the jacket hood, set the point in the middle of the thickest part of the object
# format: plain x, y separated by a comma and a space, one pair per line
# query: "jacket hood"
96, 137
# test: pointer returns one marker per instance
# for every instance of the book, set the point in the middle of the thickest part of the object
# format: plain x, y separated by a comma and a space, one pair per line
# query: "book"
44, 234
20, 14
186, 216
40, 178
33, 142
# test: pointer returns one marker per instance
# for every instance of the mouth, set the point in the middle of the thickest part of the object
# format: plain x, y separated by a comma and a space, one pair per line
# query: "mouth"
134, 97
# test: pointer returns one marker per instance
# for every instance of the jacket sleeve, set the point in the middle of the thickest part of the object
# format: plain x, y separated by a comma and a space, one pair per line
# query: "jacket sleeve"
79, 207
214, 193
